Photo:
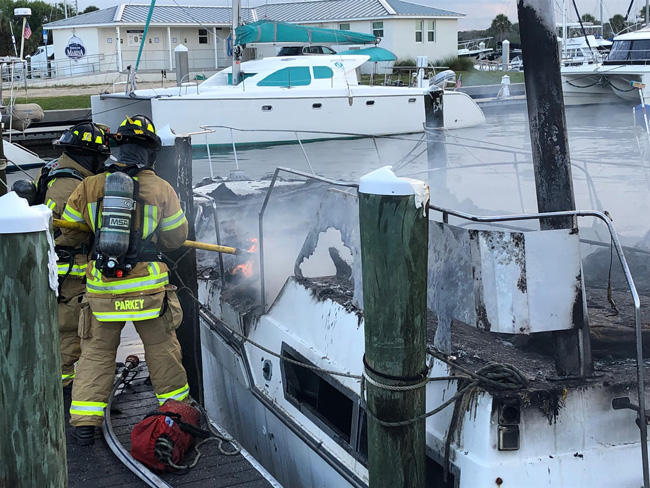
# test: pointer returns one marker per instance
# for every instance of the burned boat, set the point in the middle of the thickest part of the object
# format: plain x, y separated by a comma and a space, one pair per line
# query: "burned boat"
282, 348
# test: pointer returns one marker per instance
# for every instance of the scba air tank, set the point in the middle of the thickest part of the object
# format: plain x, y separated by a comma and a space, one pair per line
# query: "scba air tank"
117, 212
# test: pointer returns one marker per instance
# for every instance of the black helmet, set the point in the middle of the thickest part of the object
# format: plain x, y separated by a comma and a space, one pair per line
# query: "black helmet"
85, 137
137, 129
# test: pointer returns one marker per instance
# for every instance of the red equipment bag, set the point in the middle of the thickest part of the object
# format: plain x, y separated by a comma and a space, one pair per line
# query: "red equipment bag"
172, 421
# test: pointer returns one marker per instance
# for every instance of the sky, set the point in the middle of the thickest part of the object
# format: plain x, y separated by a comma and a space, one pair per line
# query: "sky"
479, 12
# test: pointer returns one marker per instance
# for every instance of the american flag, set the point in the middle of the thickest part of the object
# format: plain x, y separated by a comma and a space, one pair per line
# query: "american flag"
27, 33
459, 82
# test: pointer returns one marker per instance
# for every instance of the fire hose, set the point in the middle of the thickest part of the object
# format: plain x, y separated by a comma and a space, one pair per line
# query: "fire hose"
64, 224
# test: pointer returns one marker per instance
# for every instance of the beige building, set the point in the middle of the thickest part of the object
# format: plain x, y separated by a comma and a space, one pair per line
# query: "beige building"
109, 39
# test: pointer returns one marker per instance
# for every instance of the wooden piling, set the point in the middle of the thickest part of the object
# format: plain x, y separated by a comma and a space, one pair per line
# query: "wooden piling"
174, 164
394, 237
32, 437
551, 162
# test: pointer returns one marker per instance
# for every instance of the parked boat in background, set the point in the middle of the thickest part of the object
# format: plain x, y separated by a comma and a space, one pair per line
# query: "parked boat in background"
610, 80
302, 93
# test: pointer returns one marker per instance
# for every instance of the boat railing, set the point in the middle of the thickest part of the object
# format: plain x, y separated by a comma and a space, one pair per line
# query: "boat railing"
628, 278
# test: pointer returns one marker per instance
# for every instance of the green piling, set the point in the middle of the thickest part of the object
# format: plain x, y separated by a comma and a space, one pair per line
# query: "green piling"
393, 216
32, 435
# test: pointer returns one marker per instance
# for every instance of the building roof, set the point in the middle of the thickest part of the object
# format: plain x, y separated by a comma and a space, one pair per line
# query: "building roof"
305, 11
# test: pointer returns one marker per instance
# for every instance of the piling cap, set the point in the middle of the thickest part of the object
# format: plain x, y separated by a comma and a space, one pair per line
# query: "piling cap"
17, 217
383, 181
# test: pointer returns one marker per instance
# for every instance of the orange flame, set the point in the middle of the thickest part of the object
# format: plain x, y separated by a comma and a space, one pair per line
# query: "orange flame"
253, 247
245, 269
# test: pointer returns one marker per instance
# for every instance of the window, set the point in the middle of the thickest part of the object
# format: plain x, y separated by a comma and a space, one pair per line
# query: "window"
203, 36
378, 29
323, 72
344, 26
292, 76
328, 50
418, 31
431, 31
327, 403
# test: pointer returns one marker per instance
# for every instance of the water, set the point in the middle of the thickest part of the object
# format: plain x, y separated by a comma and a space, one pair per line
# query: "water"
608, 170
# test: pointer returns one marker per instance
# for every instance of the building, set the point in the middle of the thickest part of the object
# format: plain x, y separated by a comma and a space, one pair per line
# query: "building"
109, 39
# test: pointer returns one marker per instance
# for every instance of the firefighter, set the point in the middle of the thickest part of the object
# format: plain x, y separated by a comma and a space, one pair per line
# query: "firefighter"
85, 148
134, 214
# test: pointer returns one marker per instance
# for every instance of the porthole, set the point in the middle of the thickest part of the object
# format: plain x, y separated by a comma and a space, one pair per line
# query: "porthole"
369, 103
412, 100
266, 108
317, 105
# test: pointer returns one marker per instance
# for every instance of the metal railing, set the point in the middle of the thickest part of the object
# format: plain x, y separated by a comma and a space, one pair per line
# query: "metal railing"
630, 282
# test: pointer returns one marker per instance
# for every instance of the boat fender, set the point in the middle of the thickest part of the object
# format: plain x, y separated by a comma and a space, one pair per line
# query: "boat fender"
161, 440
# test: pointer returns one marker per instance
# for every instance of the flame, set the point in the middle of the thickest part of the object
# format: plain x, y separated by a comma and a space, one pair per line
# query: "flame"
246, 269
253, 247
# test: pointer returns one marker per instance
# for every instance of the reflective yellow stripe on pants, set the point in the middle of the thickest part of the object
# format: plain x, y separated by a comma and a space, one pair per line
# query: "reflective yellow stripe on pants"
74, 271
180, 394
87, 408
67, 377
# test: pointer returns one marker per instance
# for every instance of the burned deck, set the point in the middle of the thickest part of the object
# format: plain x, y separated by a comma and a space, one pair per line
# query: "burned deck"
612, 335
98, 467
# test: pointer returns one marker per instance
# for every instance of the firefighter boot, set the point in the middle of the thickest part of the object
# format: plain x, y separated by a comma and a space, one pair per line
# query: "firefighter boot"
85, 435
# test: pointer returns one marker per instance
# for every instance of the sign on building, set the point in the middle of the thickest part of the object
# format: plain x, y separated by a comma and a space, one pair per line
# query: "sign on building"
134, 37
75, 48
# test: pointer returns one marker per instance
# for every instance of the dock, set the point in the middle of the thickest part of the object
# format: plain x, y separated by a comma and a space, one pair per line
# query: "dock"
98, 467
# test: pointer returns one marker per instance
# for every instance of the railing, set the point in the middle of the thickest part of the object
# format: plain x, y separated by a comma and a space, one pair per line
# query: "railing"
630, 282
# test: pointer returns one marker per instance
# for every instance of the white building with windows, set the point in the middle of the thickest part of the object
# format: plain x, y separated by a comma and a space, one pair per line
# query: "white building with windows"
109, 39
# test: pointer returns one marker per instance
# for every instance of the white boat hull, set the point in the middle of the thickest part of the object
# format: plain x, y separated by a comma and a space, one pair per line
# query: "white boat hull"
578, 442
273, 119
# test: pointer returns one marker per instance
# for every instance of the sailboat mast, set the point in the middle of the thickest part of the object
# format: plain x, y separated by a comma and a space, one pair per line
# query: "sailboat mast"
236, 7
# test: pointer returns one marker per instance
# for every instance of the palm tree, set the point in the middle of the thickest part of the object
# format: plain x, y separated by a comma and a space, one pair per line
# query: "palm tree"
500, 25
588, 18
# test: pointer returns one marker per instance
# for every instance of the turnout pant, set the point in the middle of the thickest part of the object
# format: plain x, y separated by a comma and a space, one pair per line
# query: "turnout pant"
69, 309
96, 367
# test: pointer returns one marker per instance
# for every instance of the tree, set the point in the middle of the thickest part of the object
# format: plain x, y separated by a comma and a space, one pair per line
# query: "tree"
642, 15
90, 8
500, 25
42, 13
617, 23
588, 18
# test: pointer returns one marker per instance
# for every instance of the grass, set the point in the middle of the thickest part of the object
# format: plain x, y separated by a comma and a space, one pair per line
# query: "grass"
58, 103
473, 77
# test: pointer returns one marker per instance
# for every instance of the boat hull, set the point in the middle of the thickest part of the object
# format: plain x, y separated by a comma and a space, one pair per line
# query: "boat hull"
270, 119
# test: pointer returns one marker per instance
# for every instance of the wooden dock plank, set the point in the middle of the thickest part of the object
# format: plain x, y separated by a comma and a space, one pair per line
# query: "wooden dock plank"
97, 465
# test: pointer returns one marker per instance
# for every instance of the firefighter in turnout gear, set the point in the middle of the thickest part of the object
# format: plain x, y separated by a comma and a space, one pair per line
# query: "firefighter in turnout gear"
85, 148
134, 214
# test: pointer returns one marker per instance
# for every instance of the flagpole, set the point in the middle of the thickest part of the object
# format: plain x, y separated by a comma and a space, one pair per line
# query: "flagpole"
22, 39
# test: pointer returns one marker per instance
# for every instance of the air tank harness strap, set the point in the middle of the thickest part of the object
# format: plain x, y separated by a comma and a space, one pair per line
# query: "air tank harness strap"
68, 253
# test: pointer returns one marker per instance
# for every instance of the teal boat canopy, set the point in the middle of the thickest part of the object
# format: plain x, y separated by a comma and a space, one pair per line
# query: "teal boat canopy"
376, 54
273, 31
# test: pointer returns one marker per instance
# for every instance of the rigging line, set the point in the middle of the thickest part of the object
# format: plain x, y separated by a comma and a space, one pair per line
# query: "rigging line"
582, 27
628, 10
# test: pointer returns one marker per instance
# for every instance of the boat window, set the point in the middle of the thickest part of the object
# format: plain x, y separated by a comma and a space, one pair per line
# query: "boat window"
322, 72
344, 26
640, 50
290, 76
328, 50
203, 36
318, 397
370, 102
317, 105
267, 108
620, 51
